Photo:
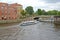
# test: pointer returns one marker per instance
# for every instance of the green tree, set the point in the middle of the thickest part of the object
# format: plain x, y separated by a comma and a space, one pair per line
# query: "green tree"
39, 12
58, 13
44, 12
49, 12
23, 13
29, 10
52, 12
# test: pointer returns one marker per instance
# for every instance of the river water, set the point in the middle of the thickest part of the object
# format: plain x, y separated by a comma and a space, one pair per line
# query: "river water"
40, 31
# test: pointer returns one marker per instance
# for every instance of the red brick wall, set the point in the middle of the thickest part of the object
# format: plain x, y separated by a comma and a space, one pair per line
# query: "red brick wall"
8, 11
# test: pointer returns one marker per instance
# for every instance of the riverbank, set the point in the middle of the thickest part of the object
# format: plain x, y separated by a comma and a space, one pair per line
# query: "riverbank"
4, 23
14, 22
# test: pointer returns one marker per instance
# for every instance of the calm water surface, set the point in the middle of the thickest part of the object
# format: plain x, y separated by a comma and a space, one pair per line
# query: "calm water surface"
40, 31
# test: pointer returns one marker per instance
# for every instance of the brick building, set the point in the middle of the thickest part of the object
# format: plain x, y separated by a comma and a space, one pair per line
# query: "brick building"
10, 11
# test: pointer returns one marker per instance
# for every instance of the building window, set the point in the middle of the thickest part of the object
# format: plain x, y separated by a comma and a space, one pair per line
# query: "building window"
8, 5
3, 4
5, 7
5, 11
2, 7
2, 10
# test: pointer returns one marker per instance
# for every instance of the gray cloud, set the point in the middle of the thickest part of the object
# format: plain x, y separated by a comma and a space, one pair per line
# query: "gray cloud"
42, 4
51, 1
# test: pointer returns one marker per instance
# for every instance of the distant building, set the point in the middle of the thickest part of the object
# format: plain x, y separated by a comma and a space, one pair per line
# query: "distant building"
10, 11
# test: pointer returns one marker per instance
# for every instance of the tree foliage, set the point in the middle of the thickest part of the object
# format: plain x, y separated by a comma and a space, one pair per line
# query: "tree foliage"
29, 10
39, 12
44, 12
52, 12
23, 13
58, 13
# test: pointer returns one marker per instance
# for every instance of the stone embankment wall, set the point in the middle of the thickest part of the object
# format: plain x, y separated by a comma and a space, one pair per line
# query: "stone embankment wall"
15, 21
24, 19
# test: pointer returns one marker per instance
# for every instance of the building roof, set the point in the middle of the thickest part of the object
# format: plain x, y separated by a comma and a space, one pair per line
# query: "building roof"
3, 3
16, 4
13, 4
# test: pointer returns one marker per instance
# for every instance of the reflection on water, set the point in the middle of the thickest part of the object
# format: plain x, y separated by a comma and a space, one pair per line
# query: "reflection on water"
41, 31
57, 27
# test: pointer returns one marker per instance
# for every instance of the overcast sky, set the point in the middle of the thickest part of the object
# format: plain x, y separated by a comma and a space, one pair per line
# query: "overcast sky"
42, 4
